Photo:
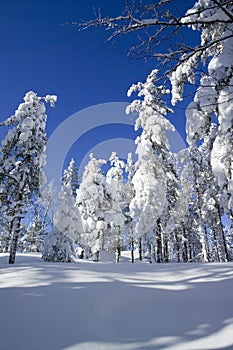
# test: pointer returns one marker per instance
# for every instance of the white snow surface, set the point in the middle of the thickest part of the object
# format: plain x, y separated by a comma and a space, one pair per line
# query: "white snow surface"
108, 306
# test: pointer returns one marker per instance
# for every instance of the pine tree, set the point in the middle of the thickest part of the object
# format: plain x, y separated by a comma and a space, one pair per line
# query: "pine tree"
129, 194
22, 159
149, 179
93, 200
114, 179
71, 176
57, 247
59, 244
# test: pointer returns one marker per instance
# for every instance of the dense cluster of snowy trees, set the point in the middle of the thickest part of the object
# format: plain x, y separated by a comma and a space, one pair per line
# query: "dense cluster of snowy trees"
170, 207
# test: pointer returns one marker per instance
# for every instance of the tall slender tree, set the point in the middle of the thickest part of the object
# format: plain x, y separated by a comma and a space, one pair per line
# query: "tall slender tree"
59, 244
149, 179
93, 200
22, 159
114, 179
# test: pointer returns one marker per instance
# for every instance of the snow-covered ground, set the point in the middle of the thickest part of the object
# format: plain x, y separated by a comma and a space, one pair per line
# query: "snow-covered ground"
108, 306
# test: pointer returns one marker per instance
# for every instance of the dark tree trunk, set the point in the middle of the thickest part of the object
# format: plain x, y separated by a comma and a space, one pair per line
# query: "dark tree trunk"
16, 229
118, 253
159, 242
97, 256
132, 250
177, 246
131, 241
166, 251
222, 236
8, 239
185, 252
14, 242
140, 248
118, 246
216, 245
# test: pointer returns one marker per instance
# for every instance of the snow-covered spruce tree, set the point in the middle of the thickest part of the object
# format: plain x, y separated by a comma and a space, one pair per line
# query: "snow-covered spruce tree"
59, 244
71, 176
198, 189
166, 220
114, 215
37, 221
212, 102
212, 107
129, 194
57, 247
48, 203
149, 180
93, 200
31, 241
212, 207
190, 237
22, 159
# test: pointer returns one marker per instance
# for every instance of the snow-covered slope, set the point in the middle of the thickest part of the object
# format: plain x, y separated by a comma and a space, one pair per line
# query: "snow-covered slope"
108, 306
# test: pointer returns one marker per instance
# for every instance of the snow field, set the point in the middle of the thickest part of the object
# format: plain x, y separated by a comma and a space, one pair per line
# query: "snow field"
108, 306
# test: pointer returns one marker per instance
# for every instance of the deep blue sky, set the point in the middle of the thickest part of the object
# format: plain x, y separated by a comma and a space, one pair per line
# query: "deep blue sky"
40, 52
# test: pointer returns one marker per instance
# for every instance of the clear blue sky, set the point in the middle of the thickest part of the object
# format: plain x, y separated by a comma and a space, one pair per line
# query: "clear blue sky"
41, 52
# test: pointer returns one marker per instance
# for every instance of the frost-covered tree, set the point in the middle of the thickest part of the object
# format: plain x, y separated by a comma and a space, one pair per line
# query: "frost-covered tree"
47, 204
68, 225
93, 200
129, 194
114, 179
166, 220
207, 65
212, 106
22, 159
71, 176
57, 247
149, 179
32, 239
162, 30
4, 223
190, 242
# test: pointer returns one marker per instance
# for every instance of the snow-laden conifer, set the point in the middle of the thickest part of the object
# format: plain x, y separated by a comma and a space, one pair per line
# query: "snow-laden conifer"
22, 159
93, 200
59, 244
71, 176
114, 215
129, 194
149, 179
211, 110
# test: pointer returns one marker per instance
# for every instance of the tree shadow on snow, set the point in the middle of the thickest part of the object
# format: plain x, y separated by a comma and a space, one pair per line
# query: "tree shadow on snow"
101, 306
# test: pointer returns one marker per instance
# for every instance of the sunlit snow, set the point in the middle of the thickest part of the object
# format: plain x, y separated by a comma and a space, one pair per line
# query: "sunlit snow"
108, 306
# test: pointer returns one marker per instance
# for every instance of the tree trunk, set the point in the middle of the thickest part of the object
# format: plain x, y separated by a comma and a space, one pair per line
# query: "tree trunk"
131, 242
185, 252
15, 238
222, 237
8, 239
16, 229
118, 246
118, 254
97, 256
202, 223
217, 257
177, 246
166, 251
132, 251
140, 248
159, 242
